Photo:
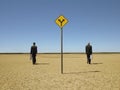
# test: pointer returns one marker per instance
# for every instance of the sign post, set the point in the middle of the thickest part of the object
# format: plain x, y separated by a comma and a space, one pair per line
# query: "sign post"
62, 50
61, 21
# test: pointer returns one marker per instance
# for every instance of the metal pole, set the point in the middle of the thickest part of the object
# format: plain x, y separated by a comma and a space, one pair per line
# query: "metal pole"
62, 50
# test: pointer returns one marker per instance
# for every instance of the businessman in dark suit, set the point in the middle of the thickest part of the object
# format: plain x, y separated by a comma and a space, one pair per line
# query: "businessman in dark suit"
33, 53
88, 53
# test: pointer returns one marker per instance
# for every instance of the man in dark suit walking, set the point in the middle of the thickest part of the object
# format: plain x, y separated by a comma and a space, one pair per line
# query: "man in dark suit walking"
33, 53
88, 53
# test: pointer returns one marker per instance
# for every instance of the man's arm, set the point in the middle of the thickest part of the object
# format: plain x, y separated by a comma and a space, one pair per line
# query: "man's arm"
36, 50
91, 49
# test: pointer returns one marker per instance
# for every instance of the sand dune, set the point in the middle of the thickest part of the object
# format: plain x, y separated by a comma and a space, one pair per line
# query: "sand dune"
18, 73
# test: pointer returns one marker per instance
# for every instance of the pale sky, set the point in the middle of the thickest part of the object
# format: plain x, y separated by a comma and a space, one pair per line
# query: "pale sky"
23, 22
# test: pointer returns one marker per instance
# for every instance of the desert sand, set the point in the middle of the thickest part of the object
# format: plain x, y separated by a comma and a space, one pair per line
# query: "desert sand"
18, 73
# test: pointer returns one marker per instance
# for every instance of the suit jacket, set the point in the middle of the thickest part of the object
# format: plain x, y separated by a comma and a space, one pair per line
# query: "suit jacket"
33, 50
88, 49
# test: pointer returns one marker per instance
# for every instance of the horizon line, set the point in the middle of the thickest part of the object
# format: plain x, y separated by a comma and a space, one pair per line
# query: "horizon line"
59, 53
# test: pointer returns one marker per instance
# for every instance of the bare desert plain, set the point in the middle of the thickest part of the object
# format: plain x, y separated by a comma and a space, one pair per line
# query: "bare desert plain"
18, 73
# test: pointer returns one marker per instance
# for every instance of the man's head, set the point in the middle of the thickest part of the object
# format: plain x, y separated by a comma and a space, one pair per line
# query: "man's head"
89, 43
34, 43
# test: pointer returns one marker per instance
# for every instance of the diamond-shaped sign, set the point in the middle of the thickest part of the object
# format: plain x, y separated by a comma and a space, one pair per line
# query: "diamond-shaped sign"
61, 21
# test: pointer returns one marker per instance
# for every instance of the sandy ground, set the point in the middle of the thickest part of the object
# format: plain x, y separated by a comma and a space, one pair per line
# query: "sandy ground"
18, 73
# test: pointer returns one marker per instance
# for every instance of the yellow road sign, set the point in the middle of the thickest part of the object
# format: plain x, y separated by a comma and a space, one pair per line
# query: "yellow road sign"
61, 21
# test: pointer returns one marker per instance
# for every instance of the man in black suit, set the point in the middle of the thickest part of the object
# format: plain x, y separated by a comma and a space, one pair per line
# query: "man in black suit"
88, 53
33, 53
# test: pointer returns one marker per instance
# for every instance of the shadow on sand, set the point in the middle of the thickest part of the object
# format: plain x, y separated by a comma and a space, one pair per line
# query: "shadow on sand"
42, 64
82, 72
96, 63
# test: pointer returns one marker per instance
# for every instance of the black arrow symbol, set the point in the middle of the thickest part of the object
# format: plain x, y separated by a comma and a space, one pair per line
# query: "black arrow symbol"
61, 21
